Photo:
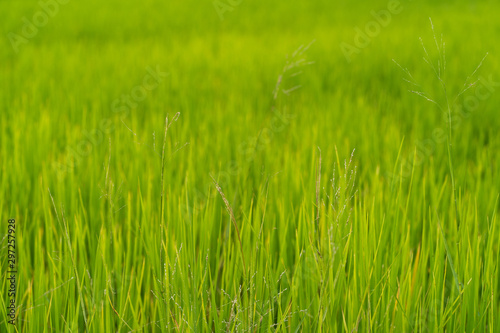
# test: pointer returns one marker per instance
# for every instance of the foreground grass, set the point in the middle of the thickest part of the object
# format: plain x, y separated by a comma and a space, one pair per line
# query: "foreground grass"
275, 201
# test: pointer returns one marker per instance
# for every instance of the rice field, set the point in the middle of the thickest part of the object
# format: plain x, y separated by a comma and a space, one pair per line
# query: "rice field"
249, 166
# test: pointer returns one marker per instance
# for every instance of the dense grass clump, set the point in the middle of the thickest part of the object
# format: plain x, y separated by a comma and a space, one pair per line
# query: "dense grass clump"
227, 166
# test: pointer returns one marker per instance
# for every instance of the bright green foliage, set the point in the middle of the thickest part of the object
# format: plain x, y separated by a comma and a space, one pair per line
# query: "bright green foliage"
331, 207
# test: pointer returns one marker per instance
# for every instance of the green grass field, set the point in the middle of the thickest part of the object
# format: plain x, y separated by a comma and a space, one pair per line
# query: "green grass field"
249, 166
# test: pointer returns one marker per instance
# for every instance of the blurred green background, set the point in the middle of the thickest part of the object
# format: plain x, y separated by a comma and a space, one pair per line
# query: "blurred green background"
60, 84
